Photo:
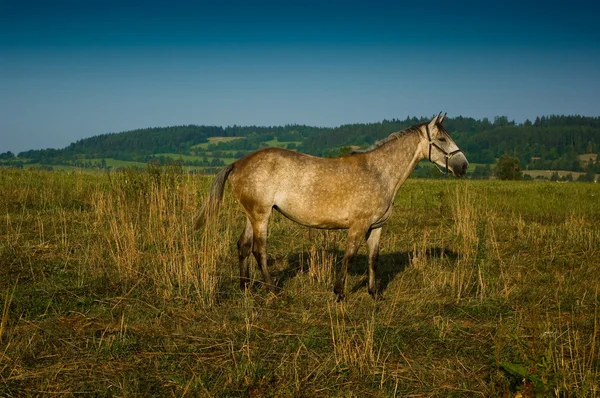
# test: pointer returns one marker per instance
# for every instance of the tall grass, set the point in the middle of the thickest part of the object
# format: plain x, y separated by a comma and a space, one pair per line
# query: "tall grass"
322, 260
353, 346
489, 289
145, 219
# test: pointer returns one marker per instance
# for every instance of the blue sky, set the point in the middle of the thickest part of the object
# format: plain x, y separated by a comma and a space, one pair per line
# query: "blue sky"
74, 69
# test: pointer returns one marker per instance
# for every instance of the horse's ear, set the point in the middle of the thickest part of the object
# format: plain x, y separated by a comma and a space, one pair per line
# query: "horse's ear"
443, 119
435, 121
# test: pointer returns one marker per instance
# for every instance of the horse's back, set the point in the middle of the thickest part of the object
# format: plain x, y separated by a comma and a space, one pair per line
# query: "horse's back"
275, 164
320, 192
275, 156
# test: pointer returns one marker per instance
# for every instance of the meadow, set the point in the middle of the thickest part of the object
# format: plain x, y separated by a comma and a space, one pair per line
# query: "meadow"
490, 288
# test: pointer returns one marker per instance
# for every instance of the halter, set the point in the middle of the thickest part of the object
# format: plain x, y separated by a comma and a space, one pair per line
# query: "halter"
447, 155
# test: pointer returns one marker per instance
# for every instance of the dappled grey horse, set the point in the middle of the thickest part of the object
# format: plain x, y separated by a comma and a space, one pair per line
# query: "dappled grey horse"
352, 192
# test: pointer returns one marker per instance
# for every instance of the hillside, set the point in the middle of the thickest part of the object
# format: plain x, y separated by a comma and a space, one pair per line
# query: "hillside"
548, 143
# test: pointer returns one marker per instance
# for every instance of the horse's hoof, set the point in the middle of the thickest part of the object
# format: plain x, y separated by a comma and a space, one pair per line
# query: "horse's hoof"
340, 297
376, 295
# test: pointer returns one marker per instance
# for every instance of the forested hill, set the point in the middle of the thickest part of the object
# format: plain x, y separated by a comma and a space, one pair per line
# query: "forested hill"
552, 142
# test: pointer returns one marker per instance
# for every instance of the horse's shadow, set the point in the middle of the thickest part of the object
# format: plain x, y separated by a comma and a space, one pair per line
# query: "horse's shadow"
389, 265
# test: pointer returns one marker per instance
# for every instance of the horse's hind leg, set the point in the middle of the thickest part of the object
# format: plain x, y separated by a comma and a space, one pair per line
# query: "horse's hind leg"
244, 245
259, 248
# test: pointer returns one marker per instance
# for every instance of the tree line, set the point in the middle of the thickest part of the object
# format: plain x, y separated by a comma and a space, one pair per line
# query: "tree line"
546, 143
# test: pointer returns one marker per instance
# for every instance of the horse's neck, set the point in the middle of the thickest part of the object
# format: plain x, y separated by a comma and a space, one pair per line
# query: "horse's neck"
397, 159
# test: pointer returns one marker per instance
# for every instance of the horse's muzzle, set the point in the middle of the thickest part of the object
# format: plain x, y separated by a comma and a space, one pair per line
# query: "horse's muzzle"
458, 164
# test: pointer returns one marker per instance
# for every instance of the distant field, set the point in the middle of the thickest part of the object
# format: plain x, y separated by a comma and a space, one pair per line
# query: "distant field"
281, 144
54, 167
548, 173
588, 156
109, 162
216, 140
176, 156
118, 163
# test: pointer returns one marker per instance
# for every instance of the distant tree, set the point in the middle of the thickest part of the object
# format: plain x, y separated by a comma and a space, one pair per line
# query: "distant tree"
586, 177
217, 162
508, 168
481, 156
547, 143
289, 136
500, 121
7, 155
481, 172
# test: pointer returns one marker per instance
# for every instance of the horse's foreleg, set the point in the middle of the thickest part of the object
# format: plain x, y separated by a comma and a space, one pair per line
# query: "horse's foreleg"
259, 249
373, 248
354, 239
244, 245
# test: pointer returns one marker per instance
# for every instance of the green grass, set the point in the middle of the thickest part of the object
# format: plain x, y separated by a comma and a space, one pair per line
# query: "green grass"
54, 167
176, 156
489, 288
115, 163
281, 144
215, 140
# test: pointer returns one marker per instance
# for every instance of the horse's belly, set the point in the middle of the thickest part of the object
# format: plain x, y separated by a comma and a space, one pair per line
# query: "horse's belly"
327, 216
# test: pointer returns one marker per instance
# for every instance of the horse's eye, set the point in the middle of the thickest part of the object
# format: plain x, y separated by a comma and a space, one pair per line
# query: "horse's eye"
442, 139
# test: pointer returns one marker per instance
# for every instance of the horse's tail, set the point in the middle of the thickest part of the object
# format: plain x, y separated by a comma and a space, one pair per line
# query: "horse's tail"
215, 197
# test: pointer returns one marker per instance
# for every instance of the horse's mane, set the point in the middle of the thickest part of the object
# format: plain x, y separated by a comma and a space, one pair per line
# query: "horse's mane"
397, 134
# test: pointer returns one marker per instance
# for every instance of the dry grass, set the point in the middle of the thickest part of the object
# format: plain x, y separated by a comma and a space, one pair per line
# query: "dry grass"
490, 289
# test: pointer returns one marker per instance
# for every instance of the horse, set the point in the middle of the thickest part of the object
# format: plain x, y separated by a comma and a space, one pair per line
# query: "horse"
353, 192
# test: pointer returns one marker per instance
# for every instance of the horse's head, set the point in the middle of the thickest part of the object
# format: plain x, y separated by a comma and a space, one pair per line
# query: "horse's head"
440, 149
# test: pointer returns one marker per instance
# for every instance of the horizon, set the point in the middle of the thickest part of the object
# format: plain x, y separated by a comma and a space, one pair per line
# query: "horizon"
73, 71
491, 121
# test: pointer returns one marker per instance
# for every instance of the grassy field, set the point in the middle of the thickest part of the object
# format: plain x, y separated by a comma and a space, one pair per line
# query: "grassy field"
215, 140
115, 163
176, 156
281, 144
548, 173
489, 288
